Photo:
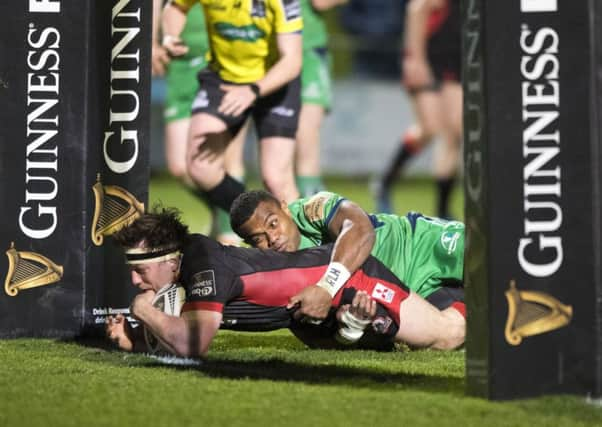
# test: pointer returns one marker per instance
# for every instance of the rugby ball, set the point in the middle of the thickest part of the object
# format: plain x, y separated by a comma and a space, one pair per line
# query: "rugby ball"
169, 300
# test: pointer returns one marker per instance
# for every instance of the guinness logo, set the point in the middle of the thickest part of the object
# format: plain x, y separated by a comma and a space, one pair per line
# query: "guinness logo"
533, 313
114, 208
29, 270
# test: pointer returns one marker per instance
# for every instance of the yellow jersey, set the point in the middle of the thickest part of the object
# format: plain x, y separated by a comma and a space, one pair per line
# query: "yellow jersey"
242, 34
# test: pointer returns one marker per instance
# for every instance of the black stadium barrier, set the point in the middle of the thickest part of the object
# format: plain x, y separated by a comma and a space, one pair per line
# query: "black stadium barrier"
75, 91
532, 94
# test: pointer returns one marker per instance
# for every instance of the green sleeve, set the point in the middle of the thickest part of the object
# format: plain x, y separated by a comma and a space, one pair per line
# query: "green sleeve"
313, 215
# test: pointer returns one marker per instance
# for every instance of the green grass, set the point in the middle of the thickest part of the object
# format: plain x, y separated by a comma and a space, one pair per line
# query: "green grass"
267, 379
256, 380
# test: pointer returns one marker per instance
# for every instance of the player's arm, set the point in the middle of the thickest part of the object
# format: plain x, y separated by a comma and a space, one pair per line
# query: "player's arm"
189, 335
238, 98
173, 20
354, 234
416, 71
351, 322
288, 66
322, 5
355, 239
160, 58
121, 333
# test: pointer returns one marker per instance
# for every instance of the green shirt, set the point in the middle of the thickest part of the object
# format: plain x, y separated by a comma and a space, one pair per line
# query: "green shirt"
422, 252
314, 29
194, 34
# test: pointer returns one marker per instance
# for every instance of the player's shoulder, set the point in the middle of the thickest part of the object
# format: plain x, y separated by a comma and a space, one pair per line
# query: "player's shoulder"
289, 15
320, 206
201, 243
201, 251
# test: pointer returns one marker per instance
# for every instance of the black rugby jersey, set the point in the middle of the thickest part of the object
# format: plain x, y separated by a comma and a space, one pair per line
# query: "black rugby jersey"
252, 287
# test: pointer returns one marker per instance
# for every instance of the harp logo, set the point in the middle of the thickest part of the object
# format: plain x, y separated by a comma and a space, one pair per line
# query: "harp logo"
114, 208
29, 270
533, 313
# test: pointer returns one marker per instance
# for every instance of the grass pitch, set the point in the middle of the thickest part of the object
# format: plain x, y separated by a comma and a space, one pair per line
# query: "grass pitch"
267, 379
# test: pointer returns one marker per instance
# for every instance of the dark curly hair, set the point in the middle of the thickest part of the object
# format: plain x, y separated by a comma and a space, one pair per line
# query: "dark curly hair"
244, 206
160, 228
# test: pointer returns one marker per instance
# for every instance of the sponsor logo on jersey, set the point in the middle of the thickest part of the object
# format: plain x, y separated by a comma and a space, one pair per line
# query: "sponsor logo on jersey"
203, 284
383, 293
292, 9
449, 241
249, 33
314, 207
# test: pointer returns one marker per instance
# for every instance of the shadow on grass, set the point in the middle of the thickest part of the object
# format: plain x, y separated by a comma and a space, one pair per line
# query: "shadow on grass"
280, 370
277, 369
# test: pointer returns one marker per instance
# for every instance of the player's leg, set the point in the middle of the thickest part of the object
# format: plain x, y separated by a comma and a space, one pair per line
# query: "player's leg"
181, 89
235, 167
209, 135
316, 97
447, 155
307, 156
277, 172
426, 106
208, 139
276, 119
409, 145
421, 325
176, 135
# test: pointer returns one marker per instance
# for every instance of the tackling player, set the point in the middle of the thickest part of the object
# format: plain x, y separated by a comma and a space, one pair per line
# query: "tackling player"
160, 251
425, 253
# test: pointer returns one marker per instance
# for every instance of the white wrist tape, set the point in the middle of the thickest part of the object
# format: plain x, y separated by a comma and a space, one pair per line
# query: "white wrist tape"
168, 38
353, 328
335, 277
348, 336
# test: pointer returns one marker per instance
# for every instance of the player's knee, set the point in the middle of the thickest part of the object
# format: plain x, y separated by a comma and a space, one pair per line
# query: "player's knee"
278, 183
455, 333
204, 174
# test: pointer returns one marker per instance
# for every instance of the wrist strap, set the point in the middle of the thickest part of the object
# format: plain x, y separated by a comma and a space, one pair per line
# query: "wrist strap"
255, 88
349, 319
168, 38
335, 277
352, 328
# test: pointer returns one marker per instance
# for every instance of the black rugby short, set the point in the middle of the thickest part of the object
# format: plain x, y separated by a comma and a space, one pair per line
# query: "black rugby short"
276, 114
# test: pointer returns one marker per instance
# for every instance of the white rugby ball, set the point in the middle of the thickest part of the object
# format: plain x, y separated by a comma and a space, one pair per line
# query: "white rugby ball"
169, 300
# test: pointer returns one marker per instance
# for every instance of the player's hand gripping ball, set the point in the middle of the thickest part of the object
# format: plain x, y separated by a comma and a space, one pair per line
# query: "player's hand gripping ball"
169, 300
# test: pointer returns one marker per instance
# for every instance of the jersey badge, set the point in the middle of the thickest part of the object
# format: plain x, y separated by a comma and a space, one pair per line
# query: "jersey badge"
383, 293
292, 9
449, 241
314, 207
203, 284
258, 9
